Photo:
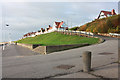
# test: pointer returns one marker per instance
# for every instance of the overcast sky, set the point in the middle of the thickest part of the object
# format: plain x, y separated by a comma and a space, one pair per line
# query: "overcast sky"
24, 17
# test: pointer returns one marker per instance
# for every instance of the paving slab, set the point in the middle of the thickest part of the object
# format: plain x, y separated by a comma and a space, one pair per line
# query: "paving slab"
77, 75
108, 71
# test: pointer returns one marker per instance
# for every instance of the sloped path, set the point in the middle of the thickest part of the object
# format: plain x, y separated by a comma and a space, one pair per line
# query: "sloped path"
44, 66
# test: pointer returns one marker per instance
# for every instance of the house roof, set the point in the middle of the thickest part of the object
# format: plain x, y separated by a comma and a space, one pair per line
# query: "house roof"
50, 28
107, 12
30, 33
58, 24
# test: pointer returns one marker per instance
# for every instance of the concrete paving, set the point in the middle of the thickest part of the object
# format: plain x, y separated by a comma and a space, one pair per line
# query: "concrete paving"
14, 50
106, 71
77, 75
41, 66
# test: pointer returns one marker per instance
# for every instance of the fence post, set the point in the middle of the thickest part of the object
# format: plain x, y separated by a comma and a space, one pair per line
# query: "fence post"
79, 33
89, 34
86, 61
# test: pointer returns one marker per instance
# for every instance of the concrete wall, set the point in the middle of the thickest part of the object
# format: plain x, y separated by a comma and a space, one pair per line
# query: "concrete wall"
49, 49
30, 46
55, 48
40, 49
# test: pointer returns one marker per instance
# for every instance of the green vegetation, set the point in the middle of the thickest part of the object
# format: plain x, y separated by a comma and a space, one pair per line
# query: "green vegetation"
104, 25
74, 28
55, 38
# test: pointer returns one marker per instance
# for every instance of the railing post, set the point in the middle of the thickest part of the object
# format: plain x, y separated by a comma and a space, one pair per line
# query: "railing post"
79, 33
86, 61
71, 32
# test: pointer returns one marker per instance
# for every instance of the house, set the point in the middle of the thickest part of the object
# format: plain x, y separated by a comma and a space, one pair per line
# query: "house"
42, 30
56, 26
30, 34
38, 32
59, 26
106, 13
50, 29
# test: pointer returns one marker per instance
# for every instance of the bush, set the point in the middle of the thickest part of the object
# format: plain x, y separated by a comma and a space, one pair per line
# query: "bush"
109, 24
111, 30
118, 29
74, 28
95, 31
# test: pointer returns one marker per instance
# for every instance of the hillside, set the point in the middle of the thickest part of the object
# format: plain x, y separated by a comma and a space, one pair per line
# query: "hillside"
104, 25
55, 38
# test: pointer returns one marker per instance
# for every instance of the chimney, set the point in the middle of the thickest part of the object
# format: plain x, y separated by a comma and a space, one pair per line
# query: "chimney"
113, 12
49, 26
66, 28
41, 28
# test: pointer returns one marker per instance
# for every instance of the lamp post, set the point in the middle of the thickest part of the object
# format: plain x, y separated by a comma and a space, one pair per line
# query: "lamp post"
9, 34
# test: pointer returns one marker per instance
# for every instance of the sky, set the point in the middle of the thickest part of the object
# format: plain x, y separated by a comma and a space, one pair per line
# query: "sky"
24, 17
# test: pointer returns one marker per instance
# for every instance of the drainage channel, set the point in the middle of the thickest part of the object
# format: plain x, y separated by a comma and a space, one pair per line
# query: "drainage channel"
105, 53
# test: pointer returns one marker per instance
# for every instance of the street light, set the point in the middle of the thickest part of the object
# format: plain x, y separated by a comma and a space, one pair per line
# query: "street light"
9, 33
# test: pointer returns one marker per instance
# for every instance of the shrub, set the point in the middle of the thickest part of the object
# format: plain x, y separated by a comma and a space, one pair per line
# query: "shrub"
109, 24
74, 28
118, 29
95, 31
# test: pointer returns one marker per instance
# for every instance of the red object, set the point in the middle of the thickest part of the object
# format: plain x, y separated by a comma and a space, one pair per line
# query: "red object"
59, 24
49, 26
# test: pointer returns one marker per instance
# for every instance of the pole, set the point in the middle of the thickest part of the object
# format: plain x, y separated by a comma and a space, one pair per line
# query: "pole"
86, 61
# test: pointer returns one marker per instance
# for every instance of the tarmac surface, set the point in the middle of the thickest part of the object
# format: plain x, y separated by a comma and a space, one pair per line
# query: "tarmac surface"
20, 62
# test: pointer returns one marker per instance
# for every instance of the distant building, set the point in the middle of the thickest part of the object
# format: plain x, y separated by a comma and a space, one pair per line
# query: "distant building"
30, 34
50, 29
106, 14
60, 26
56, 26
38, 32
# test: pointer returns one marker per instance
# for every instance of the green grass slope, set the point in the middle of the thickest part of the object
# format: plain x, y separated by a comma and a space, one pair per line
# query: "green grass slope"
104, 25
55, 38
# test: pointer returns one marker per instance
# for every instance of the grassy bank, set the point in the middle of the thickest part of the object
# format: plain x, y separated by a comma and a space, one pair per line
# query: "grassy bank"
55, 38
104, 25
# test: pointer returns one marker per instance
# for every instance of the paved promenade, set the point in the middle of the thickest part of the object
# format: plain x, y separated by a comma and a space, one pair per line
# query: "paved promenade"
19, 62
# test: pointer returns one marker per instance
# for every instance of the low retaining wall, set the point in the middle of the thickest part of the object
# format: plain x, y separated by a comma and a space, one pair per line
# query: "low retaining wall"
49, 49
30, 46
40, 49
55, 48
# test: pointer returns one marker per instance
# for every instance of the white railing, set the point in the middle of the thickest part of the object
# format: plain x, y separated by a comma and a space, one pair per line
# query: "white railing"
81, 32
114, 34
71, 31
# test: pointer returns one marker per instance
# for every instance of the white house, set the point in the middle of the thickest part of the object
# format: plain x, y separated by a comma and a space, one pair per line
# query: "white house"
56, 26
106, 14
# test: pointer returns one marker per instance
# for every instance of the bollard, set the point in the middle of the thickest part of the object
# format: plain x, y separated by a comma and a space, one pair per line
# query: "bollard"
3, 47
86, 61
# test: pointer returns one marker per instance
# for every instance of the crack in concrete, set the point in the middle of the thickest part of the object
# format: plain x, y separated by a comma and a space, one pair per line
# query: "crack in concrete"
98, 76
